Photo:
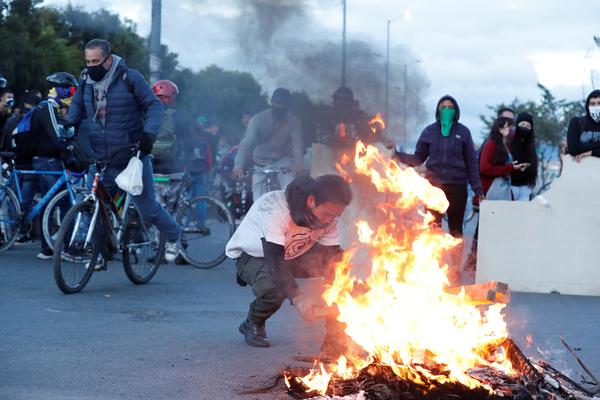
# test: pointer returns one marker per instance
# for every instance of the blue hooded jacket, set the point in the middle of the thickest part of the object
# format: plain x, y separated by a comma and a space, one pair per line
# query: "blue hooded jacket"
451, 159
131, 110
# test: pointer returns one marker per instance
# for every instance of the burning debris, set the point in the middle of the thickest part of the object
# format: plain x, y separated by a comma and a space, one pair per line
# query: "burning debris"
413, 336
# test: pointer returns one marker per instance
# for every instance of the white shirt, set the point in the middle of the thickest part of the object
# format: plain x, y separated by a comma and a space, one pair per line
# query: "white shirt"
269, 218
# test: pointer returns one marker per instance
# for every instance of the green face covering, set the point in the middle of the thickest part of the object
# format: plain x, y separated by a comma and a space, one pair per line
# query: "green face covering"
446, 120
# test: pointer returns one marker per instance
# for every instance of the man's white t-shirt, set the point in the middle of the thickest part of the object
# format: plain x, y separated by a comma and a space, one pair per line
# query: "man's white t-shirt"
269, 218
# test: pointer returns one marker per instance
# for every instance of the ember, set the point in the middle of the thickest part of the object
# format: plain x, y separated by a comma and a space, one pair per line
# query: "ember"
413, 336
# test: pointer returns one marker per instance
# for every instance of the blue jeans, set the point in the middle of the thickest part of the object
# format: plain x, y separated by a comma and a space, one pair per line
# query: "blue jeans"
199, 189
46, 182
146, 202
521, 193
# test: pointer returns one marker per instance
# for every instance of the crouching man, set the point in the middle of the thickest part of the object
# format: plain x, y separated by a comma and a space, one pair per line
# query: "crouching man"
286, 235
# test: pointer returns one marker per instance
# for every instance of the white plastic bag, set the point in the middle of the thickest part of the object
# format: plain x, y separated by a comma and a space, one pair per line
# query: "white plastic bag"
130, 179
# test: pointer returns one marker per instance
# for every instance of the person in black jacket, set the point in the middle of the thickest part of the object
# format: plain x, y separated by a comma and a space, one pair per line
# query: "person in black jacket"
522, 148
47, 128
583, 134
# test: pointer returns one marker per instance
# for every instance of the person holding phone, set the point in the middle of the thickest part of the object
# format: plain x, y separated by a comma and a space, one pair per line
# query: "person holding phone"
496, 159
522, 148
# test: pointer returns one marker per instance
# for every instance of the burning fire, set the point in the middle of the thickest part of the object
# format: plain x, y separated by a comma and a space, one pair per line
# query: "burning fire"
402, 316
377, 124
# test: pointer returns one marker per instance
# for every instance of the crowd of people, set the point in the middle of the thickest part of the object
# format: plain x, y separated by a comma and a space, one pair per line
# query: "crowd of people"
288, 233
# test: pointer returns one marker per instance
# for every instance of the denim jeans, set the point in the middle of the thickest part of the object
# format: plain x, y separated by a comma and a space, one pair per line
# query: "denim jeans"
521, 193
146, 202
199, 189
46, 182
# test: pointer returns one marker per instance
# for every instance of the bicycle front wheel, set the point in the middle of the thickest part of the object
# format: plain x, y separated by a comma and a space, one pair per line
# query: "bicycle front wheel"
143, 249
206, 226
77, 247
10, 214
55, 212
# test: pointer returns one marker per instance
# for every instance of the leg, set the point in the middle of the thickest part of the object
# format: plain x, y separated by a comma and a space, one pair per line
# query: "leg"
457, 197
199, 189
285, 179
259, 181
151, 211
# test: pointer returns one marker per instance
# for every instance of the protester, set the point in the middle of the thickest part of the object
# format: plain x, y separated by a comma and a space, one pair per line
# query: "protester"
122, 109
285, 235
273, 140
496, 159
583, 134
448, 148
506, 112
7, 104
522, 147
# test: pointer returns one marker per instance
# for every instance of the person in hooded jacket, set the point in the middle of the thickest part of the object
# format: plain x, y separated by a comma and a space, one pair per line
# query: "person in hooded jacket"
522, 148
583, 134
451, 161
122, 109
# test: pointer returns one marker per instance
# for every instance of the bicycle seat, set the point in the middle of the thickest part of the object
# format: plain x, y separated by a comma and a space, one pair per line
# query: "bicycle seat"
8, 154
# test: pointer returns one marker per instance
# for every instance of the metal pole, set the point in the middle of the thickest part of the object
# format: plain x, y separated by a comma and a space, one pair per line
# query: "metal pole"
154, 63
404, 105
344, 45
387, 76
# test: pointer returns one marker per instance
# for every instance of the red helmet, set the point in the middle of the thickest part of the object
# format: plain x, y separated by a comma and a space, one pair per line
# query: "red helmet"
166, 91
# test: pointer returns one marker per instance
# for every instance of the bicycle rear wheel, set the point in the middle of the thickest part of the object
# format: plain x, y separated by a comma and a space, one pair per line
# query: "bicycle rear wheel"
55, 212
143, 249
10, 214
76, 248
206, 226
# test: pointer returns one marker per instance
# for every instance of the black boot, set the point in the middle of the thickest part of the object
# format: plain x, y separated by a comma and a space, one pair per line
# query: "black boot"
254, 334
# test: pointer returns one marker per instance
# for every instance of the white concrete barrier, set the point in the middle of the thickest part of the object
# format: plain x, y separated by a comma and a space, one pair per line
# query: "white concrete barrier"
546, 247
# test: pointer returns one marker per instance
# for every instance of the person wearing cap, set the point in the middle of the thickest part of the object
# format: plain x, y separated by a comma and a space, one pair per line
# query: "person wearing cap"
522, 148
273, 140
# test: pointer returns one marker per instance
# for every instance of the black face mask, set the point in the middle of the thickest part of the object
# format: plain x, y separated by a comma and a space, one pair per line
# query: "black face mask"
523, 131
97, 72
279, 112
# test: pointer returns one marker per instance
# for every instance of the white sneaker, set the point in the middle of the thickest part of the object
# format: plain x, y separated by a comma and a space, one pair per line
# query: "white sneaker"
171, 251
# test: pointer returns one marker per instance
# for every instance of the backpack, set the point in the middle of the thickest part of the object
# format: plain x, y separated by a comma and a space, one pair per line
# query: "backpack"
21, 137
165, 146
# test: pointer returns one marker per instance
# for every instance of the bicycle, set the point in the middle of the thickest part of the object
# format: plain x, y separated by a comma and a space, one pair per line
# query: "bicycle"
96, 225
206, 223
12, 219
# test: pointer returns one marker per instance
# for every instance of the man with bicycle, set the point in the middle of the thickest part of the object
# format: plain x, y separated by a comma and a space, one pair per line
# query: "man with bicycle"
273, 141
121, 108
286, 235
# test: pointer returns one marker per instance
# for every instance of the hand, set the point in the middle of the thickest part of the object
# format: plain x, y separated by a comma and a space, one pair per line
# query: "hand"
520, 166
146, 143
478, 199
304, 305
237, 173
581, 156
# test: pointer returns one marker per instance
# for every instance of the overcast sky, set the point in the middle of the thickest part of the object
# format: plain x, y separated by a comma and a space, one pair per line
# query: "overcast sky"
481, 52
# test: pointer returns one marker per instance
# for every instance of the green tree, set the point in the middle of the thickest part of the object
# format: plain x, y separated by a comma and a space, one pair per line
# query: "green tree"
551, 119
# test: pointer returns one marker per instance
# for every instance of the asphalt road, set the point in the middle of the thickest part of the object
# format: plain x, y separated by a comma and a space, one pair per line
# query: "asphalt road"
176, 338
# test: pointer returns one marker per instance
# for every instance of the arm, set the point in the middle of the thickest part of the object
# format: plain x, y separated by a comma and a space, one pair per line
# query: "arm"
486, 164
280, 273
247, 144
150, 105
298, 143
471, 162
421, 153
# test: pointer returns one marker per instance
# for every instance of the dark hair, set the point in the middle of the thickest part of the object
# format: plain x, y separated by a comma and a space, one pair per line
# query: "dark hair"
104, 45
522, 147
502, 109
326, 188
501, 154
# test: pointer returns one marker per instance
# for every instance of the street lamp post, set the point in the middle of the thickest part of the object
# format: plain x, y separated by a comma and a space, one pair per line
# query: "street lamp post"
155, 41
344, 44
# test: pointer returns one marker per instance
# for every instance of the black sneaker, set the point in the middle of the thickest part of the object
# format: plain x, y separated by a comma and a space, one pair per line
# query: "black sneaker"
254, 334
24, 239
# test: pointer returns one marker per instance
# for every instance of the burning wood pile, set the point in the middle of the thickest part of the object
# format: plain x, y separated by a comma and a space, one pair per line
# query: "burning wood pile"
413, 335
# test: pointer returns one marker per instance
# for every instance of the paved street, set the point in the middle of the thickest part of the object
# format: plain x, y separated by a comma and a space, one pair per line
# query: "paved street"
176, 338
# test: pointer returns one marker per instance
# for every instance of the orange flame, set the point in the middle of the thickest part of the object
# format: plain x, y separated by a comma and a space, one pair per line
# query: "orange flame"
377, 123
405, 319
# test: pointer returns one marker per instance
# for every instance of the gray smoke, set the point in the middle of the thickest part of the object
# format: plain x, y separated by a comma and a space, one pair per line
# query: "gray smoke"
283, 46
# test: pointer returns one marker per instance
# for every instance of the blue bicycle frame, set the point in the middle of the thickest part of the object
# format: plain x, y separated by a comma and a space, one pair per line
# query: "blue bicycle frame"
64, 179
